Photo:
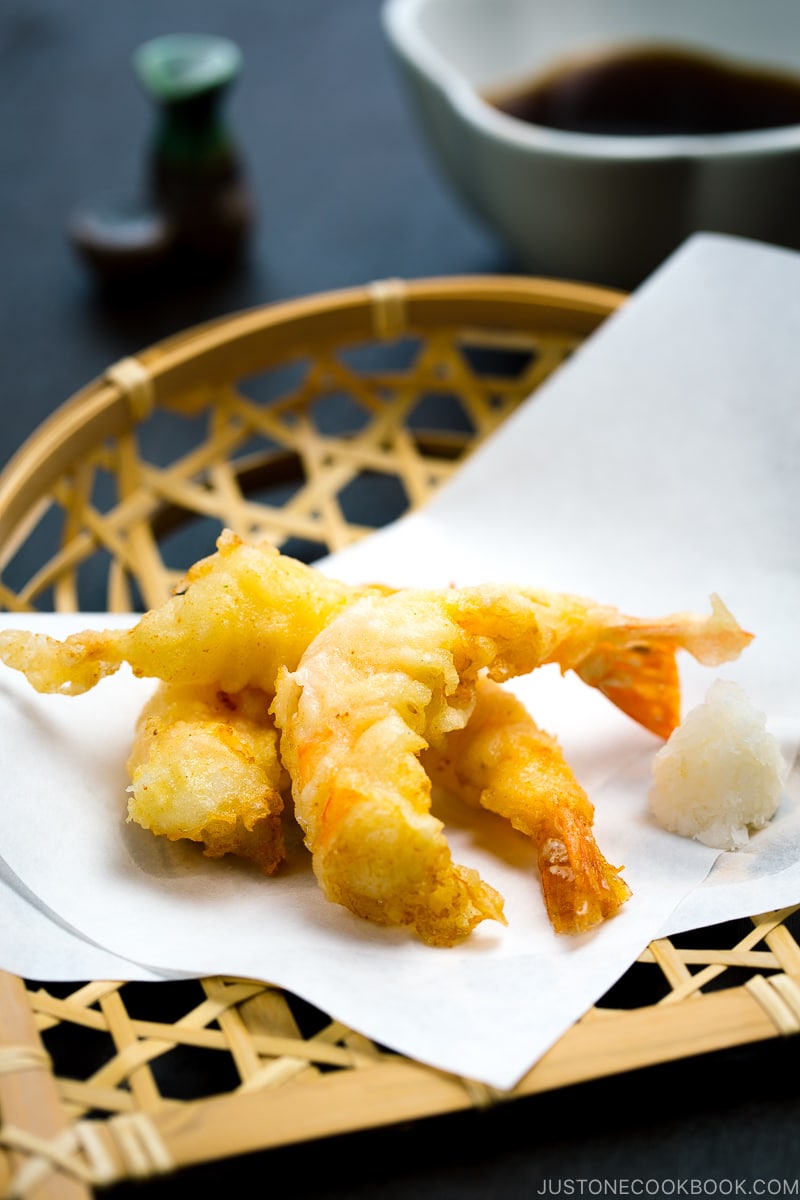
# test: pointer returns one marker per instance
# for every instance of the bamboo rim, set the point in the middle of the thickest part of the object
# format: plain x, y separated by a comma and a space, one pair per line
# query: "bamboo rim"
251, 341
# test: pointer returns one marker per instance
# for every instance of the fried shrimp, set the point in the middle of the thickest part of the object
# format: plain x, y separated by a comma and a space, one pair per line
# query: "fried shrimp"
369, 694
204, 765
631, 660
239, 615
505, 763
393, 675
277, 680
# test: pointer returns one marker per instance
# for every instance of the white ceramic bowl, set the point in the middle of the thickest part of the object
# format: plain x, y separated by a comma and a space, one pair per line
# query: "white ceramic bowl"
601, 208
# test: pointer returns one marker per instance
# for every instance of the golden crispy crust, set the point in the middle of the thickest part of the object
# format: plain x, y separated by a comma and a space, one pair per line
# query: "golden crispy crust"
368, 686
204, 765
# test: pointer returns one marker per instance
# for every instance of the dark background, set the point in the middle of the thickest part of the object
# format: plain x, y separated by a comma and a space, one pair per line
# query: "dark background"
345, 195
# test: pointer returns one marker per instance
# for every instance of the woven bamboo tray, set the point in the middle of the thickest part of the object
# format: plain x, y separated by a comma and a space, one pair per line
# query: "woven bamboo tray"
292, 418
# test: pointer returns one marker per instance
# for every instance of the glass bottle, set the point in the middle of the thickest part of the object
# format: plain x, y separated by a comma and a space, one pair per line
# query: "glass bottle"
196, 177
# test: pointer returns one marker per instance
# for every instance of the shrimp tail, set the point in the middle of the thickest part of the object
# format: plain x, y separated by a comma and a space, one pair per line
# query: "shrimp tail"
642, 681
635, 666
579, 886
503, 762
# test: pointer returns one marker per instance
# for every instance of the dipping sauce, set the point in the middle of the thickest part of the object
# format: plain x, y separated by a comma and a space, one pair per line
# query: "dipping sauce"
656, 91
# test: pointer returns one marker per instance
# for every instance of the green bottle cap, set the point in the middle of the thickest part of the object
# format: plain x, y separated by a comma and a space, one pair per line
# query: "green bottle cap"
180, 66
187, 76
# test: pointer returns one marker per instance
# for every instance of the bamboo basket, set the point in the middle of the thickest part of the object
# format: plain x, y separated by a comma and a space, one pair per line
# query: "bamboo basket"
288, 416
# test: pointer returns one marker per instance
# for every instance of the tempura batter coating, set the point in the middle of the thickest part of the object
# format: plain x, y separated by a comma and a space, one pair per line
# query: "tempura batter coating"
393, 675
204, 765
240, 614
372, 689
503, 762
364, 680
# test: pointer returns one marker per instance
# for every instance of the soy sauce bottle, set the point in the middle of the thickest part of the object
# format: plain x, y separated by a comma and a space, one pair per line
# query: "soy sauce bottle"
195, 215
196, 176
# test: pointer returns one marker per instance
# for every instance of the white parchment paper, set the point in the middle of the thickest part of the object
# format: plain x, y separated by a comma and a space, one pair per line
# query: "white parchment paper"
658, 465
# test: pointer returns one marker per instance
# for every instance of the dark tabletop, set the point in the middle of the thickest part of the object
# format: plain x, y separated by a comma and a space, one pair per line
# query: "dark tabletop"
345, 194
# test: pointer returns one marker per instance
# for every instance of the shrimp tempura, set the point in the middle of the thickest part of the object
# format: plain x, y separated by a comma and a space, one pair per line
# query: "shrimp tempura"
364, 679
503, 762
204, 765
393, 675
240, 614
